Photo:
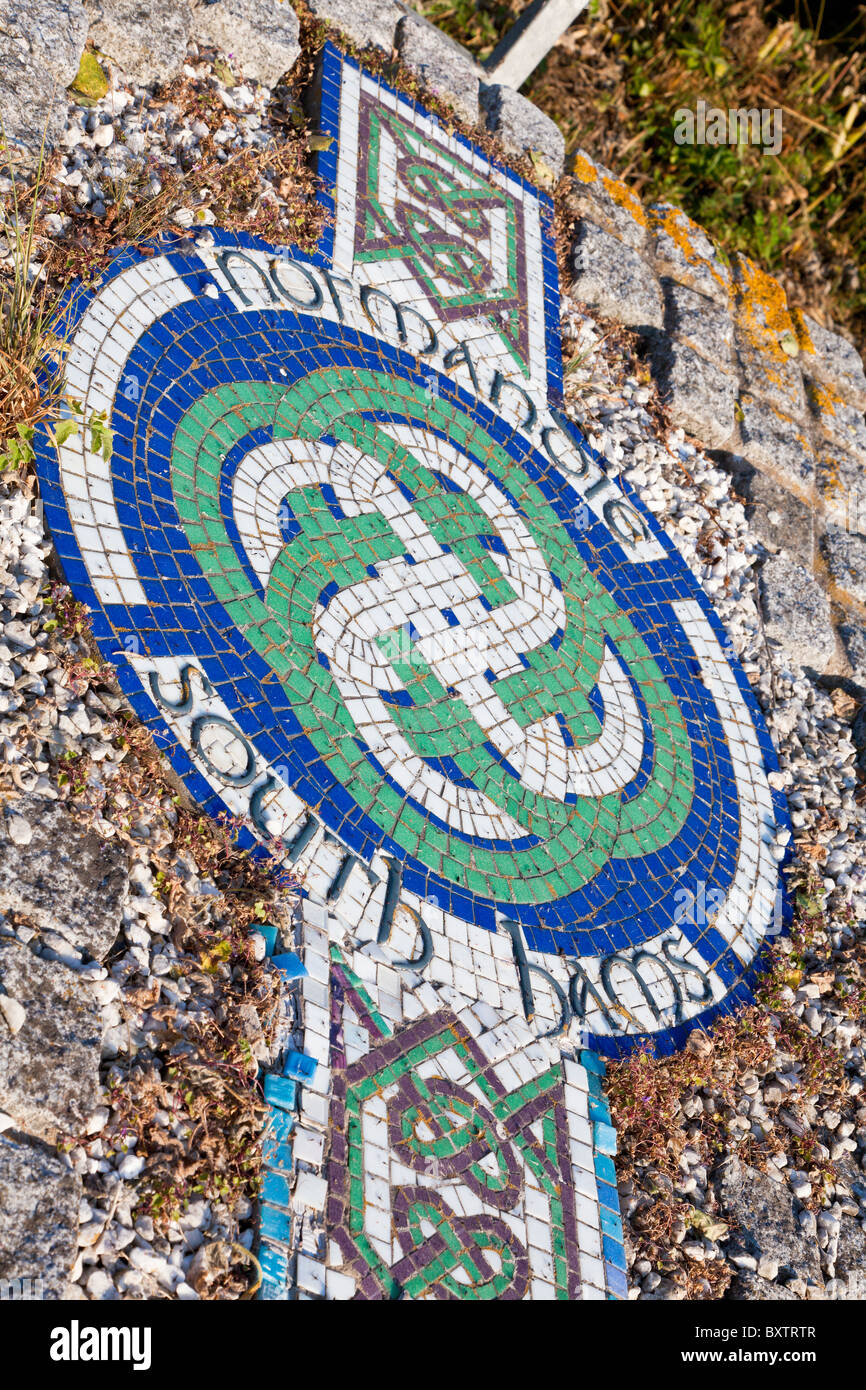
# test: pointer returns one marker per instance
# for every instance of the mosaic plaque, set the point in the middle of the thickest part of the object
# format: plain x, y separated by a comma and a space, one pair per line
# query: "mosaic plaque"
376, 596
365, 580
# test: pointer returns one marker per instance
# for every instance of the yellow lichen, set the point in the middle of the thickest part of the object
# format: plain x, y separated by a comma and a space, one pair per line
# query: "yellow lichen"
674, 223
824, 399
763, 316
627, 199
801, 330
584, 169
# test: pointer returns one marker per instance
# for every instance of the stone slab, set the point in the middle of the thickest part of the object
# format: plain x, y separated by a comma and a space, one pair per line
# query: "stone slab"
41, 42
614, 280
843, 424
261, 35
774, 441
66, 878
841, 481
39, 1199
781, 520
596, 194
699, 322
683, 251
845, 553
522, 129
853, 638
444, 67
147, 39
49, 1068
796, 613
700, 395
365, 21
764, 1221
836, 362
778, 383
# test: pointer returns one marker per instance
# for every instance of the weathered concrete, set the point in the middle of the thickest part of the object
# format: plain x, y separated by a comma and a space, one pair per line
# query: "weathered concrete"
530, 39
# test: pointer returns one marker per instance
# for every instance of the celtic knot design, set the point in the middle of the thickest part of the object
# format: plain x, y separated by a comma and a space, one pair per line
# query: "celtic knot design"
473, 1149
514, 720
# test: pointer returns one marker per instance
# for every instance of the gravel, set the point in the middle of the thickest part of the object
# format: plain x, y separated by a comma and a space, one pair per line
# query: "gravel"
812, 728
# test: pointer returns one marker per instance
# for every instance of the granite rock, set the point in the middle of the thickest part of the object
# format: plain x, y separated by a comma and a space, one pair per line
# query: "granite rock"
853, 638
41, 43
764, 1222
364, 21
683, 251
776, 516
842, 487
147, 39
614, 280
796, 613
779, 383
845, 554
261, 34
39, 1199
700, 395
850, 1261
837, 363
776, 442
596, 194
66, 878
446, 68
700, 322
522, 129
749, 1287
49, 1069
837, 421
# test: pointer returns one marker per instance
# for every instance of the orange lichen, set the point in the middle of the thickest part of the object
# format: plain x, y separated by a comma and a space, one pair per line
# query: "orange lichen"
801, 330
823, 398
627, 199
584, 169
828, 477
763, 316
773, 375
674, 223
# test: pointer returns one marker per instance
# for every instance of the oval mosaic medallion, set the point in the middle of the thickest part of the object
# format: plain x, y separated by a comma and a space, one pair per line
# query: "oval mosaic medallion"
337, 580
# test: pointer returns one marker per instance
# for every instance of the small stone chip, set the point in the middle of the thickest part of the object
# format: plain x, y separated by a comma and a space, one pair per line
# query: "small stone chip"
13, 1012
